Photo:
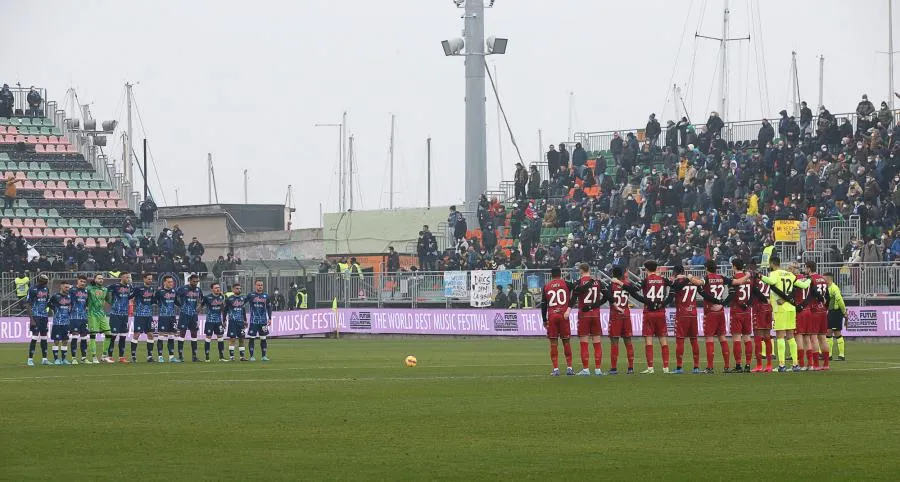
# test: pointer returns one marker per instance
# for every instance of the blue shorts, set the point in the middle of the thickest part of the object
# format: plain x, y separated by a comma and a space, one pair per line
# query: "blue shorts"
59, 333
166, 324
118, 324
236, 329
257, 330
212, 328
188, 323
78, 327
143, 324
39, 326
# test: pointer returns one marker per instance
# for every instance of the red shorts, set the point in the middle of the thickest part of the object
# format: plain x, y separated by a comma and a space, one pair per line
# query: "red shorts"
589, 324
803, 323
741, 323
762, 317
686, 326
619, 323
714, 323
818, 322
654, 323
558, 326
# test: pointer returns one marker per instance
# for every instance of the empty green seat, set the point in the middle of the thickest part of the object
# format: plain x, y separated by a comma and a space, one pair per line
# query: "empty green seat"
82, 233
4, 121
31, 212
104, 233
45, 166
19, 212
75, 176
51, 223
95, 223
4, 156
34, 166
61, 223
2, 165
22, 203
42, 176
54, 176
48, 122
64, 176
56, 131
53, 213
85, 223
25, 121
35, 131
95, 186
47, 131
42, 213
93, 232
84, 185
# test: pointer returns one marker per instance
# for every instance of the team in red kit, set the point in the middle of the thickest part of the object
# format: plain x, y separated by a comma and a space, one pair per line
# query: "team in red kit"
744, 294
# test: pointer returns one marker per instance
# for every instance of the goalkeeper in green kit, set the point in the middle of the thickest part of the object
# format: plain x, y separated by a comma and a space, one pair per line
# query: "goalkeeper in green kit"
97, 320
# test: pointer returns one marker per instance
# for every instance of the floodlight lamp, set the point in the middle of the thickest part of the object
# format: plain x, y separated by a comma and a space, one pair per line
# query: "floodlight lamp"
453, 46
496, 45
460, 3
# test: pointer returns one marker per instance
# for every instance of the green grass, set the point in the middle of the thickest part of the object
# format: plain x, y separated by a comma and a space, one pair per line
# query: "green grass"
471, 410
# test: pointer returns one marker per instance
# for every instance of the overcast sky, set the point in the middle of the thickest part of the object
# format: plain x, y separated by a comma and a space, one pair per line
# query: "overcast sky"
247, 81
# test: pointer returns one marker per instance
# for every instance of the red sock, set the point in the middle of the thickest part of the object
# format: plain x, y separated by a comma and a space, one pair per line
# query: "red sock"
598, 354
679, 352
614, 356
800, 353
813, 358
665, 355
769, 350
585, 353
695, 350
648, 351
738, 353
725, 354
629, 350
554, 354
710, 354
757, 349
748, 347
567, 349
825, 355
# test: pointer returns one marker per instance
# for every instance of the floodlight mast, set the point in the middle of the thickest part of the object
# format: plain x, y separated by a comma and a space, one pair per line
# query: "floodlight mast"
476, 112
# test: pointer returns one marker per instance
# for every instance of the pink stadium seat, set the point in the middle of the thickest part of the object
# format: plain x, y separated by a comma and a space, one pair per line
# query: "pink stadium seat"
63, 140
102, 195
110, 204
59, 194
70, 194
122, 204
21, 176
70, 232
92, 194
27, 185
90, 243
6, 223
88, 204
40, 223
59, 233
26, 232
3, 130
113, 195
52, 140
12, 130
39, 149
78, 241
101, 242
20, 138
47, 148
9, 139
31, 140
71, 149
28, 223
48, 194
51, 184
80, 195
15, 231
48, 233
17, 223
62, 185
43, 140
4, 139
39, 185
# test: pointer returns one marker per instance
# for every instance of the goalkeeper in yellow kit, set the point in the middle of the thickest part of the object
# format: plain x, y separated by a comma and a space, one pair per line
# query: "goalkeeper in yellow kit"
784, 312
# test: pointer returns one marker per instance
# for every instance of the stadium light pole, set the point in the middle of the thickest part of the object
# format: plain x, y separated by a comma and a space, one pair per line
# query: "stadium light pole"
476, 113
340, 127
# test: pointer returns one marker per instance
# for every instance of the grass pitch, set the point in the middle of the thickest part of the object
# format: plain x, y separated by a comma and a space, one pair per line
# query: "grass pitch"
471, 410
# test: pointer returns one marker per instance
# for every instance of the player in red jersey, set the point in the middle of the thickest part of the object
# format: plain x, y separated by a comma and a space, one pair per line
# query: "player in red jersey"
684, 292
590, 295
620, 318
555, 312
762, 322
741, 318
715, 287
654, 289
802, 334
818, 318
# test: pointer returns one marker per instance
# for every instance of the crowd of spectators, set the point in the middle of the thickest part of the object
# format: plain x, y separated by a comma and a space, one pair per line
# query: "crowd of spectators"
694, 197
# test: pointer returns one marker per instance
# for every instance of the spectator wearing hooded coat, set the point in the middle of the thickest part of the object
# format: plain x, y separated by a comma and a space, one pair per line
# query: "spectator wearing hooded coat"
714, 124
653, 130
553, 161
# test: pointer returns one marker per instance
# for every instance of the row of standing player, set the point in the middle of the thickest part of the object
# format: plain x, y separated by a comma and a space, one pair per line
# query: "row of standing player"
80, 314
753, 312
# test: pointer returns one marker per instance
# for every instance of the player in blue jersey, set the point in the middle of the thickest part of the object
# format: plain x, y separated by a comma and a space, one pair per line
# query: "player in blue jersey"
215, 318
237, 320
188, 299
143, 297
37, 298
78, 327
118, 297
165, 326
61, 306
260, 308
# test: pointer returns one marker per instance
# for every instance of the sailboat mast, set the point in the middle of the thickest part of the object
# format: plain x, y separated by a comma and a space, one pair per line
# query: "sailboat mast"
391, 198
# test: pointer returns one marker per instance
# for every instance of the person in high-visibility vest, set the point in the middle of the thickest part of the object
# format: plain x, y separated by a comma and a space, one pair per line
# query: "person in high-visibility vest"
22, 280
526, 299
837, 317
767, 253
300, 301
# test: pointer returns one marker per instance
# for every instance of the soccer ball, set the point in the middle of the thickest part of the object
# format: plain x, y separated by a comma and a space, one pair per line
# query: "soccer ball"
410, 361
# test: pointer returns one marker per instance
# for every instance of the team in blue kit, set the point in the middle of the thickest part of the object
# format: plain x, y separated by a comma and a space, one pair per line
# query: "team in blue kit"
233, 316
